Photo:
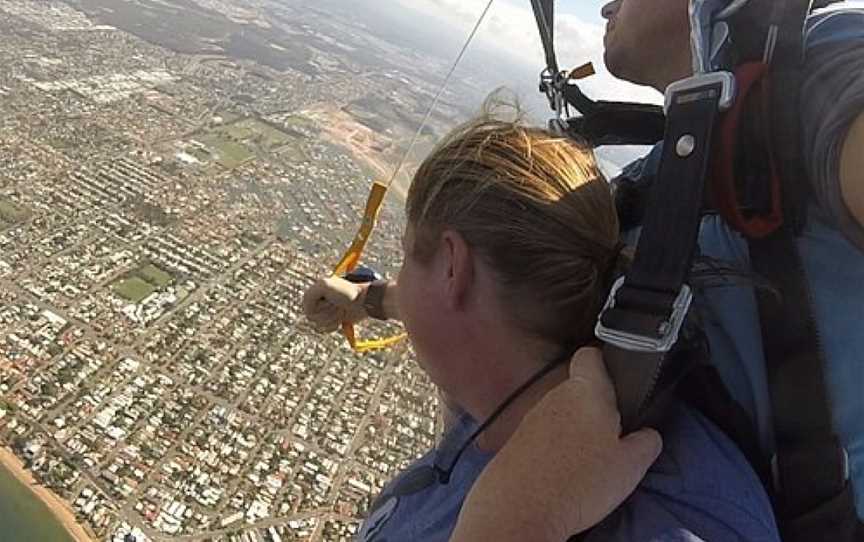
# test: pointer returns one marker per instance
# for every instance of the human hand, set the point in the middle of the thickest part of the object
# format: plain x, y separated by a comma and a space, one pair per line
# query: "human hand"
564, 469
333, 301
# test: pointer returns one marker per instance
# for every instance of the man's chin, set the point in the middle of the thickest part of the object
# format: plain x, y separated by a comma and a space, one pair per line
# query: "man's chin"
609, 59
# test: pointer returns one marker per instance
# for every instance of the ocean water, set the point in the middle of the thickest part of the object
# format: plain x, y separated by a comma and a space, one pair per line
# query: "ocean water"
23, 517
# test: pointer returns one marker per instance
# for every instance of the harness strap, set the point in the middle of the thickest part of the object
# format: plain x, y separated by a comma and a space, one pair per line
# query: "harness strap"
645, 310
810, 467
613, 123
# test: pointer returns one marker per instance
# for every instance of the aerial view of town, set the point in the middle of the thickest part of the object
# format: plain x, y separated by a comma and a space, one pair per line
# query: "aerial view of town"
173, 175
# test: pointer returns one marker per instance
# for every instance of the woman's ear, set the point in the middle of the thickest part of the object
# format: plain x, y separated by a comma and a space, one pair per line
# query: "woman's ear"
457, 268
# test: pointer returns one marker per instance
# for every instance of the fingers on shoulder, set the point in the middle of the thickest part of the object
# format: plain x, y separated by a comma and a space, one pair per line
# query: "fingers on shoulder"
644, 446
588, 372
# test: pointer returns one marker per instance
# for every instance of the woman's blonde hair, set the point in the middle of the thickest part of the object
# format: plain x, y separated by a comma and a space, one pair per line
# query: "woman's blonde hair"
536, 208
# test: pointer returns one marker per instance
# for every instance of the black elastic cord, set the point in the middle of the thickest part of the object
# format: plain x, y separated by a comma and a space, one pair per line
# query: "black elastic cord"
444, 474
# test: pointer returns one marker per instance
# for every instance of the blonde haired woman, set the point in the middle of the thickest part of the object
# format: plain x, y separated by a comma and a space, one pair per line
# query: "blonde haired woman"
510, 247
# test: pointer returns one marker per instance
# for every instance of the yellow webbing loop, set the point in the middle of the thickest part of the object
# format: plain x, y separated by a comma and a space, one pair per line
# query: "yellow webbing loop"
352, 257
376, 197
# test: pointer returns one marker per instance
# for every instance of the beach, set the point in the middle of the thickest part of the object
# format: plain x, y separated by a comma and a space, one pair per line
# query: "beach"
61, 511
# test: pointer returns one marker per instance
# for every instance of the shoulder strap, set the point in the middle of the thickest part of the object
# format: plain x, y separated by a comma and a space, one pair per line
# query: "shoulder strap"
810, 466
613, 123
642, 319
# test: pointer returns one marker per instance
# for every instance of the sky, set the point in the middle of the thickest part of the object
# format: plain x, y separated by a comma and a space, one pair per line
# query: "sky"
510, 31
510, 28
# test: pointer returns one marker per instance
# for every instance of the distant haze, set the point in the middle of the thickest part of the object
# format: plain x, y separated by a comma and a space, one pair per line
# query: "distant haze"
439, 27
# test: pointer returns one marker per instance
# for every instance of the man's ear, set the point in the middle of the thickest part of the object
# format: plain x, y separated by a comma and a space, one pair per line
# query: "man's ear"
458, 266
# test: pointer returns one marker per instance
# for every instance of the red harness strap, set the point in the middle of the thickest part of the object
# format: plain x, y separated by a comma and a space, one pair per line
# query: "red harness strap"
724, 193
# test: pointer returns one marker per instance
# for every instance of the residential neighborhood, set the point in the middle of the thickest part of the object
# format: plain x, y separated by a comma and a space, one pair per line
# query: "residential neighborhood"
163, 207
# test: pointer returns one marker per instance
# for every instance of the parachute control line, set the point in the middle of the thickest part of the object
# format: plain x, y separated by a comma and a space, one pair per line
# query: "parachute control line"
352, 256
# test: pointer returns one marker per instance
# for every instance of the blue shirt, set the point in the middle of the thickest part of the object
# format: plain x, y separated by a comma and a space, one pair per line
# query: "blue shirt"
701, 488
830, 247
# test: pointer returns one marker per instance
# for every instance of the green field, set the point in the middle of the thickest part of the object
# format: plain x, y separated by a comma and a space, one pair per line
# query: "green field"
141, 282
261, 134
134, 289
229, 154
11, 213
155, 276
233, 144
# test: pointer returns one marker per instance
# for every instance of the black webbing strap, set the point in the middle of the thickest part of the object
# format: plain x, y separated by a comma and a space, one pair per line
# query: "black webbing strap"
787, 77
625, 126
614, 123
644, 304
544, 13
811, 468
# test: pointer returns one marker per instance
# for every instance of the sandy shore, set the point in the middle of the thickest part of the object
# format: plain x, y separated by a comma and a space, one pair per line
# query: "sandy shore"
61, 510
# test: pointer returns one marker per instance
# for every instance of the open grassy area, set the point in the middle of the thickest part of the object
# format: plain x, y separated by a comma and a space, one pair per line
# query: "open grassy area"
141, 282
235, 143
264, 134
155, 276
229, 154
134, 289
11, 213
293, 154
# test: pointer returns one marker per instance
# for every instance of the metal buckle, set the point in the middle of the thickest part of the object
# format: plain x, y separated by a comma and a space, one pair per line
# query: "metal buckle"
726, 80
551, 84
667, 335
775, 469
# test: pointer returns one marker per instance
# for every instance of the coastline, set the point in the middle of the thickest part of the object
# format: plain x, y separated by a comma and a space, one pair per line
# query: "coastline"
58, 507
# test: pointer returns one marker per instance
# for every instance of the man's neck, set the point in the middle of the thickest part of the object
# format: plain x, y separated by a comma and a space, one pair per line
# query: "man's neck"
670, 75
660, 76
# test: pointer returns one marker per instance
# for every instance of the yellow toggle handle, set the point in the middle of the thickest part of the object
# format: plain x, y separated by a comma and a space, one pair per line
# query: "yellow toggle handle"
350, 260
373, 205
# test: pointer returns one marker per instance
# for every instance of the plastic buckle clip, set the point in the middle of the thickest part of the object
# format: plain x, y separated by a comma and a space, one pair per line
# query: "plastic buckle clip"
693, 88
667, 334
